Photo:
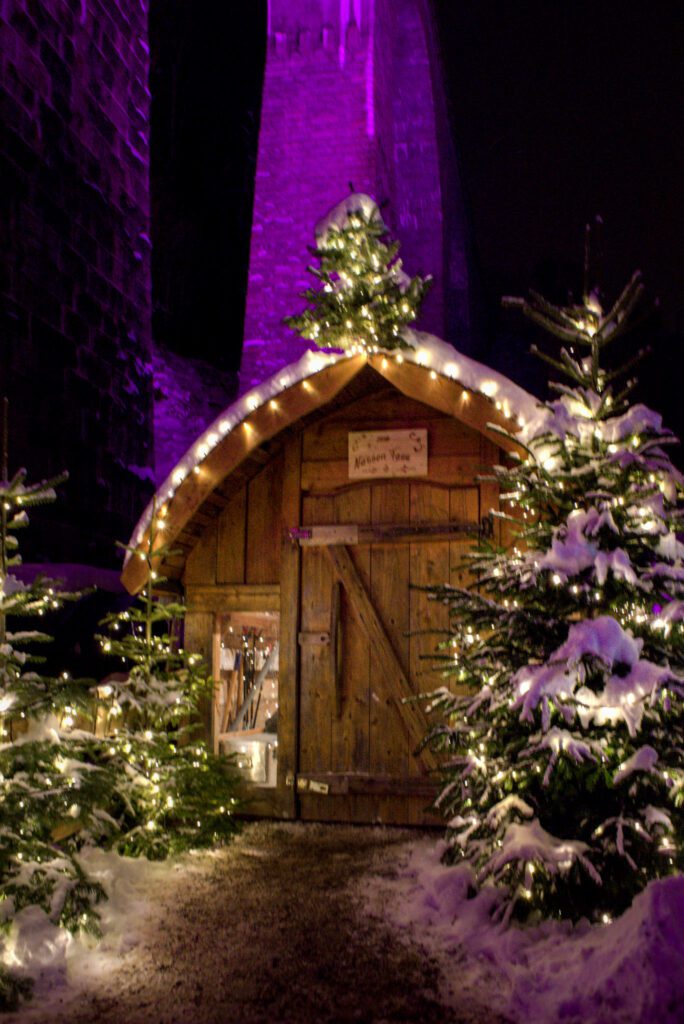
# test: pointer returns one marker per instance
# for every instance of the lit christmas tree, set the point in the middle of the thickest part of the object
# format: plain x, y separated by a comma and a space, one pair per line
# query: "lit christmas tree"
364, 298
563, 778
50, 786
114, 765
172, 793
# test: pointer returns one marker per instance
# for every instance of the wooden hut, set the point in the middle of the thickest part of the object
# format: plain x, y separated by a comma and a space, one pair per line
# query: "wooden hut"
305, 518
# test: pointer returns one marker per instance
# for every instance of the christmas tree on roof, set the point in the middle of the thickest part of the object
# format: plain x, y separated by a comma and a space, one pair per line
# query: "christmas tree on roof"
364, 298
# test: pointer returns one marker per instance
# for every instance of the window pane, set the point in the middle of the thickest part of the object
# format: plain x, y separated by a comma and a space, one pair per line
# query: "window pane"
246, 699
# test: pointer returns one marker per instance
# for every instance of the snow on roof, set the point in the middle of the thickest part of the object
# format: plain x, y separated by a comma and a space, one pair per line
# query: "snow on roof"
428, 351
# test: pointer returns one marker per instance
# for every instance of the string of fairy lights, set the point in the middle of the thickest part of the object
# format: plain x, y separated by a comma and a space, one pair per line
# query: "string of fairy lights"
436, 358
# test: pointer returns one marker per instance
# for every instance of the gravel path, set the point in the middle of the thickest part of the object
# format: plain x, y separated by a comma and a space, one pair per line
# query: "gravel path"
270, 929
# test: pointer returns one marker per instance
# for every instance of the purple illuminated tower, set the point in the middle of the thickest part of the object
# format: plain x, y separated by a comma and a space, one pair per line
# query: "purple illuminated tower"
352, 94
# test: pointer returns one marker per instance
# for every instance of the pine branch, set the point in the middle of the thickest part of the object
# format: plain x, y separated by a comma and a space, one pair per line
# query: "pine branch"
562, 367
629, 365
624, 303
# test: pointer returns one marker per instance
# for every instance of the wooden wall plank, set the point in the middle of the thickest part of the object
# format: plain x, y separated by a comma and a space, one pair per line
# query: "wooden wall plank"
326, 476
288, 673
264, 497
429, 567
489, 489
316, 696
463, 501
351, 734
389, 738
328, 439
428, 619
231, 597
230, 559
198, 637
489, 499
509, 531
200, 566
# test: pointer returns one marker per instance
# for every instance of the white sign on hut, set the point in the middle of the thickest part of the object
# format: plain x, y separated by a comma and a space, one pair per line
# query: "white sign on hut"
388, 453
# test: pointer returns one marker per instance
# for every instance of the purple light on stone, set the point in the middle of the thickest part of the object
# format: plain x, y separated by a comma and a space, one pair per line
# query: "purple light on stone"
350, 95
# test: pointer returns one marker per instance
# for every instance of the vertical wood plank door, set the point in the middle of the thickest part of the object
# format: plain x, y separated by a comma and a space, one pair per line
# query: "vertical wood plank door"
357, 740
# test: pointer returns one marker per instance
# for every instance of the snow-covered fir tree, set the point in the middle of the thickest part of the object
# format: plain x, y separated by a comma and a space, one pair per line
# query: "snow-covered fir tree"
172, 793
564, 745
116, 765
50, 785
364, 299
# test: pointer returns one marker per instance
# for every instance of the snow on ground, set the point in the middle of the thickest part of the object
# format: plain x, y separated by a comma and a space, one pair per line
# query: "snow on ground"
180, 936
630, 971
60, 964
267, 930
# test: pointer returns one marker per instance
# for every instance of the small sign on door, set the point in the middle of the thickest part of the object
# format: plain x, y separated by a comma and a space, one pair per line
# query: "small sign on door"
383, 453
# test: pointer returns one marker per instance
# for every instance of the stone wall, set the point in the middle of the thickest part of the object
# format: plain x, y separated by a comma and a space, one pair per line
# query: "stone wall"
313, 141
75, 284
349, 96
188, 395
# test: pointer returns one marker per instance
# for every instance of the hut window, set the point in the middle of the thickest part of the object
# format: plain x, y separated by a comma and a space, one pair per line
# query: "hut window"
246, 697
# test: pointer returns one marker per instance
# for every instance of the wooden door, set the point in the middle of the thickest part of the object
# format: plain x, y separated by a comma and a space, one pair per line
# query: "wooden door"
357, 740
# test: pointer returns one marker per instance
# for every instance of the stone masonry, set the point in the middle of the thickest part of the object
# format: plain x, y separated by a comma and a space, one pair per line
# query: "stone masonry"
352, 95
75, 285
349, 99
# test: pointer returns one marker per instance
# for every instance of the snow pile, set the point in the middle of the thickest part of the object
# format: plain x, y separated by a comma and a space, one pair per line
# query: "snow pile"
573, 415
573, 548
629, 971
633, 681
430, 351
38, 949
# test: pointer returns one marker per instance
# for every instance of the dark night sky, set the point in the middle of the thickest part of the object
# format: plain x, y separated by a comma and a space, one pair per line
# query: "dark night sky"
565, 110
559, 111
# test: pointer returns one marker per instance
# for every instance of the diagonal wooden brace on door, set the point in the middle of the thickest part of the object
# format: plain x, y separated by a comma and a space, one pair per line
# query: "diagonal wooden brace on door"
412, 715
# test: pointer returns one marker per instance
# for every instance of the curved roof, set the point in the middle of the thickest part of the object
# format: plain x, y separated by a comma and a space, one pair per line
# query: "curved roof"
431, 372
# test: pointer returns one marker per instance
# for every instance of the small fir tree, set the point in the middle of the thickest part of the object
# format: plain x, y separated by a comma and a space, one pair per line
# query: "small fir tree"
50, 785
563, 779
364, 298
112, 765
172, 793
